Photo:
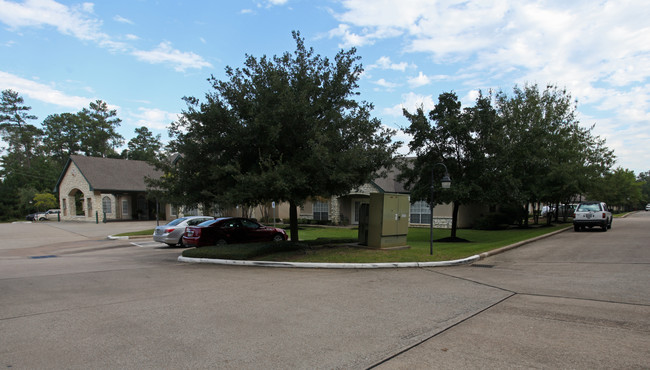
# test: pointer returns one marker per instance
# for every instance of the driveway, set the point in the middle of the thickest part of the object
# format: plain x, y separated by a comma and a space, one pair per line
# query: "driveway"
578, 300
560, 302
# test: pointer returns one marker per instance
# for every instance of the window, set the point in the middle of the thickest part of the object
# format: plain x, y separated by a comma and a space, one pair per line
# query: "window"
320, 210
90, 204
250, 224
106, 205
125, 207
420, 212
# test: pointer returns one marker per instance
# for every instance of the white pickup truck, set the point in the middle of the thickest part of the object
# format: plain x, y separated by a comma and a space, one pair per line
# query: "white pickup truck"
50, 214
590, 214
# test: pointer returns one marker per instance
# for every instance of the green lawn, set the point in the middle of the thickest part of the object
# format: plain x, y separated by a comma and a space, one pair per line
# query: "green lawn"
320, 244
138, 233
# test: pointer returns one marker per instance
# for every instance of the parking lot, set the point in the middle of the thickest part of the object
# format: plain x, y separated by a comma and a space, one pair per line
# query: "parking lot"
73, 299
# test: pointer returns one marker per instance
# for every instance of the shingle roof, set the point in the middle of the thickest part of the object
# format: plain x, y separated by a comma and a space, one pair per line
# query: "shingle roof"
108, 174
389, 184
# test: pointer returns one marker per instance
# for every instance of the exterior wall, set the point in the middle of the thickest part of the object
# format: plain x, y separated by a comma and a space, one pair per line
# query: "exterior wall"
306, 210
266, 211
442, 216
73, 182
467, 214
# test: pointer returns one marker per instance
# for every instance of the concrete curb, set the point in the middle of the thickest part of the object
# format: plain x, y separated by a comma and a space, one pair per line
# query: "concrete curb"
113, 237
464, 261
519, 244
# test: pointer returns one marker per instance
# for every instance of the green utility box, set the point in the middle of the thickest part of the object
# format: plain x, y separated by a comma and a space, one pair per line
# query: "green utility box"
388, 220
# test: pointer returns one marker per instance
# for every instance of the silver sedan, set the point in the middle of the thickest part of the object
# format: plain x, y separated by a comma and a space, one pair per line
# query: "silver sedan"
172, 233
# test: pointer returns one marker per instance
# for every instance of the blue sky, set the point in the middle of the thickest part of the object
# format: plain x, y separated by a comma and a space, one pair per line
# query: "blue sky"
142, 57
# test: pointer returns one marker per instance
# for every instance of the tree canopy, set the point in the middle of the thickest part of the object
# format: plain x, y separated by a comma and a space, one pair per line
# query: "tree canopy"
284, 128
519, 149
144, 146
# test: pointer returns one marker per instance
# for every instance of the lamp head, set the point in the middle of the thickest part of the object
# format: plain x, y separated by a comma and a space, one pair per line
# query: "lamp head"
446, 181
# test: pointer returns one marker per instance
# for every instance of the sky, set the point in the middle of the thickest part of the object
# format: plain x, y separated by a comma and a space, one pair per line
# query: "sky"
142, 57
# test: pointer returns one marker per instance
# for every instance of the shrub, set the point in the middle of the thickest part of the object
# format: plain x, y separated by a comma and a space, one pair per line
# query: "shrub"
493, 221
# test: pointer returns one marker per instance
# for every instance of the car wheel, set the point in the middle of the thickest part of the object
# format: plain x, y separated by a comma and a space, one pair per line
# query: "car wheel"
604, 227
180, 242
610, 224
42, 219
278, 238
222, 241
576, 228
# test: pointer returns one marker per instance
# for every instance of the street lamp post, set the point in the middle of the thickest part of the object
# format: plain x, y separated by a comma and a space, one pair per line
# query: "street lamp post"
446, 184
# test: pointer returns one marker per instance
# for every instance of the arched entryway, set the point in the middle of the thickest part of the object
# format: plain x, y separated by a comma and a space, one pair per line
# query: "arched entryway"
76, 203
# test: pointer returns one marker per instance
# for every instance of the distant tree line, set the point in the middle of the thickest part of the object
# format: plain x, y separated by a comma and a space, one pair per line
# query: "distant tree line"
514, 152
33, 156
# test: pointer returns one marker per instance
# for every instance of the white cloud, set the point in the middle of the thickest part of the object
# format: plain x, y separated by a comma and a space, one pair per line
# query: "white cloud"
385, 63
385, 84
579, 43
41, 92
411, 102
164, 53
349, 38
599, 51
153, 118
77, 21
118, 18
420, 80
74, 21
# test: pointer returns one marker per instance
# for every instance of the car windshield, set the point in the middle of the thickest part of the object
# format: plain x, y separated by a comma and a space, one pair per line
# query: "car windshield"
177, 221
595, 207
206, 223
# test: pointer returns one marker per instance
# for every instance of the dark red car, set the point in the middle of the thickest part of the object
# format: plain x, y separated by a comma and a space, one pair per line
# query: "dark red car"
229, 230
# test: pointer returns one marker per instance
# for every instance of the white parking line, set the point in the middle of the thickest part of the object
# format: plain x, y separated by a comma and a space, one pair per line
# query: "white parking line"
149, 244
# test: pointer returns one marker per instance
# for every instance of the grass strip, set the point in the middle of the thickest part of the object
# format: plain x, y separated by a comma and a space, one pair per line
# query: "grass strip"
338, 245
138, 233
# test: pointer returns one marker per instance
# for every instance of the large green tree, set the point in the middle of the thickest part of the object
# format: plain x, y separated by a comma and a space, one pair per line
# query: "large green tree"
22, 138
99, 136
466, 141
144, 146
644, 182
549, 156
284, 128
23, 164
619, 189
63, 134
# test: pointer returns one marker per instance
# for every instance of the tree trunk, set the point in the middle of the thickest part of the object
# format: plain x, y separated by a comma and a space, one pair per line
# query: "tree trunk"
293, 221
454, 219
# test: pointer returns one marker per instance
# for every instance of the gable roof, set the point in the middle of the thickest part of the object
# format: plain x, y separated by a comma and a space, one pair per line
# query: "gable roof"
389, 183
109, 174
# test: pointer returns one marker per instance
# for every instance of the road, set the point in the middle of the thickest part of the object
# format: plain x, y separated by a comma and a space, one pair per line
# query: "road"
575, 300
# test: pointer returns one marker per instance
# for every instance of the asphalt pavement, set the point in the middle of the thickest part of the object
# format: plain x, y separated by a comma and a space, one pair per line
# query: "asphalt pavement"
573, 300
